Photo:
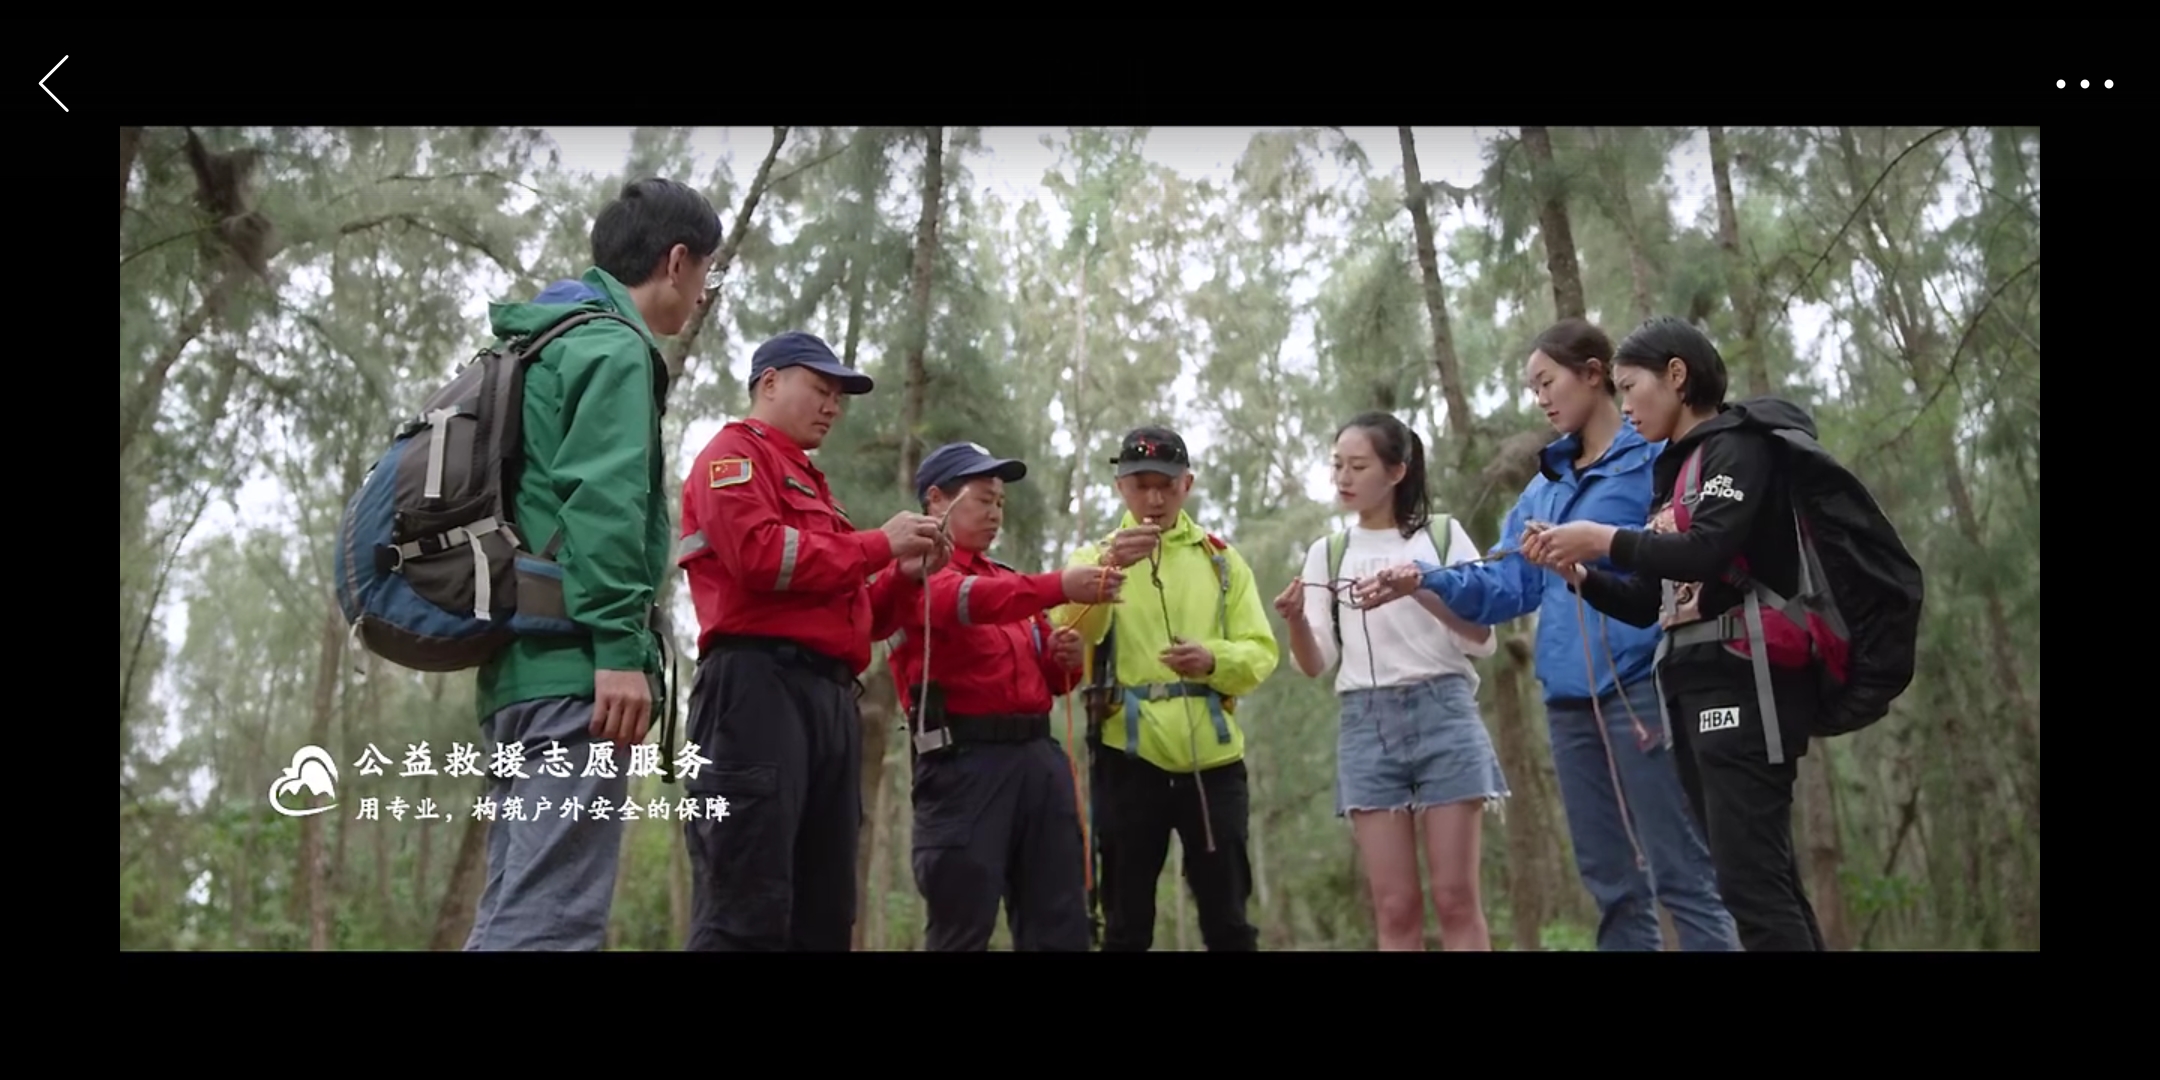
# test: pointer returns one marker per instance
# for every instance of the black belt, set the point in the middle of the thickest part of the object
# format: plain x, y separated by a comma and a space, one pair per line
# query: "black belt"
784, 652
1001, 728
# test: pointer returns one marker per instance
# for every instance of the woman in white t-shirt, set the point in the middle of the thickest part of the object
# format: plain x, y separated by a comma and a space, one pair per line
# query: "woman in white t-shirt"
1412, 746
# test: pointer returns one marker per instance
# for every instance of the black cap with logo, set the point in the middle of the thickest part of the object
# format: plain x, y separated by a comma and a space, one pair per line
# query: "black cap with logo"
1152, 449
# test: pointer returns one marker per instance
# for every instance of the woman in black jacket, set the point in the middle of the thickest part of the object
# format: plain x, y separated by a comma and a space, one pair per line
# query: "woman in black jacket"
1733, 522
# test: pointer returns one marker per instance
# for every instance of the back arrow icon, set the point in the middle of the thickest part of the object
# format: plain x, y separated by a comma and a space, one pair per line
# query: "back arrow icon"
48, 90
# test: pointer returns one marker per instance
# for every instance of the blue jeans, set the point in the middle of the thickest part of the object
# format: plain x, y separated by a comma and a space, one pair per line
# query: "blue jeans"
1679, 873
1414, 747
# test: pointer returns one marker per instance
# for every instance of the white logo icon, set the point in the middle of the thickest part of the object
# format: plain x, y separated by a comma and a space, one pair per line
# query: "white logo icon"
979, 448
1720, 719
311, 771
1721, 486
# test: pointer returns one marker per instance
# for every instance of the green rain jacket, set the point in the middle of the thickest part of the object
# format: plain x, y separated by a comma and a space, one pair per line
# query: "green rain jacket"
592, 469
1223, 613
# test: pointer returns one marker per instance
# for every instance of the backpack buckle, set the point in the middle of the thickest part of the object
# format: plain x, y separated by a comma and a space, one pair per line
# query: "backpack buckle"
388, 559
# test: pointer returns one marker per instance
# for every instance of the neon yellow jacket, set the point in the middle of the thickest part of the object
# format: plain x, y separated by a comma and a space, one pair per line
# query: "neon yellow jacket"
1223, 613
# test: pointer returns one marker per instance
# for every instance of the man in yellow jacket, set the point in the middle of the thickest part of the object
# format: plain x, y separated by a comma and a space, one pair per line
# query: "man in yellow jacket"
1168, 662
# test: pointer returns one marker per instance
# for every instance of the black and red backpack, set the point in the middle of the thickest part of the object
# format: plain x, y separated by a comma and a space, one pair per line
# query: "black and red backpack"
1856, 620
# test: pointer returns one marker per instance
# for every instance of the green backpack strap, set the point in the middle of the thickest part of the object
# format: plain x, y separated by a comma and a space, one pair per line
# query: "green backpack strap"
1339, 543
1336, 545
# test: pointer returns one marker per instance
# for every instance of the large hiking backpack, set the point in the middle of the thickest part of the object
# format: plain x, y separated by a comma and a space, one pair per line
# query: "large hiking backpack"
1339, 543
1856, 620
432, 572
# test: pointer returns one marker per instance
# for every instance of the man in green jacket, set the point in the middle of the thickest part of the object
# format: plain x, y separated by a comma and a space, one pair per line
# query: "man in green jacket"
1188, 637
592, 479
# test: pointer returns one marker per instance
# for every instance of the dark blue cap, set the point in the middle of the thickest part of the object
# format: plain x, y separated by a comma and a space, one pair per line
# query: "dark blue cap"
953, 461
798, 349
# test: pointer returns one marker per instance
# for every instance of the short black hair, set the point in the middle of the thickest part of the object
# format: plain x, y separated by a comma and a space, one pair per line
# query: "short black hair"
1573, 344
637, 230
1660, 340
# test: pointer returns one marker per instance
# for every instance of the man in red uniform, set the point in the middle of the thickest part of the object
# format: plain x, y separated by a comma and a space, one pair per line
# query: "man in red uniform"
786, 614
996, 810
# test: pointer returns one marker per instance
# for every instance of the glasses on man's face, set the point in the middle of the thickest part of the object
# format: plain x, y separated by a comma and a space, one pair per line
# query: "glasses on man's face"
712, 281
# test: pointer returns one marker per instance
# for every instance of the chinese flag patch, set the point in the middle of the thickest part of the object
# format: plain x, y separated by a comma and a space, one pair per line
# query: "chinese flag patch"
728, 472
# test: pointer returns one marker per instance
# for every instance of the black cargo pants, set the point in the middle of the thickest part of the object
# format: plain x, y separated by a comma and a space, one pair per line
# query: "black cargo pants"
997, 819
782, 729
1137, 808
1743, 802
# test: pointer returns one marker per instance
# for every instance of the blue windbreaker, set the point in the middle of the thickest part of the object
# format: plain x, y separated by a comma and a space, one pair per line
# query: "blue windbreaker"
1614, 490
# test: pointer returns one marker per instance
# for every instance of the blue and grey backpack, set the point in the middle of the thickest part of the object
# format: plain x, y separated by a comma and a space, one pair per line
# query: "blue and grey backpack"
432, 572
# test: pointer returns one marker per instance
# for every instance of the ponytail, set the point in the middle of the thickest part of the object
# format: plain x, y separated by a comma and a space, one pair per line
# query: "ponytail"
1398, 445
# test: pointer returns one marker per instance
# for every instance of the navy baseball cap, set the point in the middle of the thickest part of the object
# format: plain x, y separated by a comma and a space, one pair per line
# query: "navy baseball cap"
952, 461
1152, 449
798, 349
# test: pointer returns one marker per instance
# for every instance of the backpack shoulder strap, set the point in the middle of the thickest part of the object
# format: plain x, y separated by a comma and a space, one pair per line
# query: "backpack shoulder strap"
1436, 530
503, 394
1337, 544
1219, 555
1689, 484
1687, 488
527, 349
1104, 667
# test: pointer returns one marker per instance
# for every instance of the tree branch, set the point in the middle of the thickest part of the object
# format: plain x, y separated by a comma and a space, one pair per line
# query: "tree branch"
167, 560
1949, 373
382, 393
415, 221
135, 410
1858, 207
678, 351
161, 242
483, 174
808, 165
546, 199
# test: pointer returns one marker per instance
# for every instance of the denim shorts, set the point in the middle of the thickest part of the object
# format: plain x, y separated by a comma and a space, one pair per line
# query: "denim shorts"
1414, 746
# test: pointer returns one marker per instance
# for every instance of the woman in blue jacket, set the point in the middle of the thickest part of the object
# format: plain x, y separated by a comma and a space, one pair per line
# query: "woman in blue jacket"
1635, 841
